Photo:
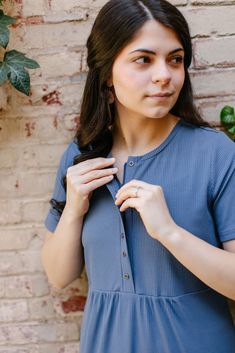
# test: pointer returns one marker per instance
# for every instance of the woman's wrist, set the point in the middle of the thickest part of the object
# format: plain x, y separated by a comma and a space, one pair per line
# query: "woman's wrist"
71, 214
169, 234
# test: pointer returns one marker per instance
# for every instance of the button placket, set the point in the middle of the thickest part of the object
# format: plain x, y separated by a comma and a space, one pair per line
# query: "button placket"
126, 271
127, 279
128, 282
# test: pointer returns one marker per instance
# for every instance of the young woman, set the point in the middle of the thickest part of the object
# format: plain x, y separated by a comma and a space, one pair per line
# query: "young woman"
144, 195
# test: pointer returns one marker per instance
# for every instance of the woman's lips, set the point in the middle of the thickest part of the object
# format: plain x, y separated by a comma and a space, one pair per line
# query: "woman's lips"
160, 96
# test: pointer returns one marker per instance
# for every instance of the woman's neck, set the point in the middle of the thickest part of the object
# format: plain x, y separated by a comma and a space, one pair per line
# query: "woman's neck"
138, 136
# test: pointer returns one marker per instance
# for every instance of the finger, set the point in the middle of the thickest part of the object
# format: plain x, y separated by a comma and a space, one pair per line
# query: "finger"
134, 183
97, 174
91, 164
127, 193
94, 184
96, 163
133, 203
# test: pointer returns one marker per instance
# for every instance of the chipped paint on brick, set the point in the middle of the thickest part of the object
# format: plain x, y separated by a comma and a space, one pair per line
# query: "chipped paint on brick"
55, 122
76, 122
73, 304
29, 127
52, 98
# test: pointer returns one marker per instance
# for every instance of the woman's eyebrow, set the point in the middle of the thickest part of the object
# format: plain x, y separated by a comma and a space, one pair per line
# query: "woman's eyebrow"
152, 52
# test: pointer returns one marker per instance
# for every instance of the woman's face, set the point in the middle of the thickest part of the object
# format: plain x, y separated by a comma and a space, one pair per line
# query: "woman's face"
151, 64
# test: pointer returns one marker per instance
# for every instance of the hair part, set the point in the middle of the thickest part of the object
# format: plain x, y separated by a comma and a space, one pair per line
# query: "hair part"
148, 13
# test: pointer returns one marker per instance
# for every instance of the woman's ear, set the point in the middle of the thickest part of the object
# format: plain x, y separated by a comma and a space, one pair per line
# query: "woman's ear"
111, 98
109, 82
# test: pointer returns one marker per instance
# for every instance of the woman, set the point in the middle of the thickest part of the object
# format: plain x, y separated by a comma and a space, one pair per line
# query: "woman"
144, 195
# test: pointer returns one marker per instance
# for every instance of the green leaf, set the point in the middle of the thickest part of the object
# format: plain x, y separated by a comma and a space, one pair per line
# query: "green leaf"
17, 58
227, 116
19, 78
4, 36
4, 31
3, 72
232, 130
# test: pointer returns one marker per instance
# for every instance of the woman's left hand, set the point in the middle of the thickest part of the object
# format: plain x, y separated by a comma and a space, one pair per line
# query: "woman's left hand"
151, 205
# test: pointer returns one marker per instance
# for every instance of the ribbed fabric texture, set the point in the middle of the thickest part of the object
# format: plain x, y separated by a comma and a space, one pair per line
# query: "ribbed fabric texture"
141, 299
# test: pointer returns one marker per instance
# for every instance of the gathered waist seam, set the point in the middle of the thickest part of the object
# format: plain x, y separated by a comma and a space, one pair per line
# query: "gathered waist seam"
151, 296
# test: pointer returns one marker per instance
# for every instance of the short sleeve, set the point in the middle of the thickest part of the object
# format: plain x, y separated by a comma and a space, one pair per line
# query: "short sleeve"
224, 188
59, 193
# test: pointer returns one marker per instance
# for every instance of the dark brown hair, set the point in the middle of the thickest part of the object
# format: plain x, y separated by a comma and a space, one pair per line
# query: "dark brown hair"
114, 27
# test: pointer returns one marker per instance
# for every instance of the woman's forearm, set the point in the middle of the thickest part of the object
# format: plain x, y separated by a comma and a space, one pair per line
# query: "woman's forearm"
212, 265
62, 252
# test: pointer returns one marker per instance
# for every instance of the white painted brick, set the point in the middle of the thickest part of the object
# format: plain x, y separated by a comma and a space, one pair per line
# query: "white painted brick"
93, 4
41, 307
3, 98
59, 348
22, 184
61, 64
206, 21
13, 310
39, 285
19, 349
66, 12
43, 348
20, 262
217, 51
16, 238
34, 211
54, 35
57, 332
38, 8
63, 5
11, 263
23, 286
212, 2
50, 100
31, 261
32, 156
10, 212
213, 83
178, 2
32, 332
210, 108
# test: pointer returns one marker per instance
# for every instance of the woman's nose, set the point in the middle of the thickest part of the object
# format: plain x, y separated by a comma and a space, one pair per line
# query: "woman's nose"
161, 73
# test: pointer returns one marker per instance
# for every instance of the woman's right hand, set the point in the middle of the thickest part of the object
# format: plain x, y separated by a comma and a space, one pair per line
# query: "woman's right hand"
83, 178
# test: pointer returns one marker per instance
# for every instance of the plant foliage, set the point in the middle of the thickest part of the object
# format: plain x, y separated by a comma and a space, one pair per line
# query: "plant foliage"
227, 118
14, 64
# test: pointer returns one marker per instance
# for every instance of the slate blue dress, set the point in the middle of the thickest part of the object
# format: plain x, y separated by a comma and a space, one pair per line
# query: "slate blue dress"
141, 299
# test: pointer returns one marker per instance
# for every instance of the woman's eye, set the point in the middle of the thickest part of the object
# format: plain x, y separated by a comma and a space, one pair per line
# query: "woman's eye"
177, 59
142, 60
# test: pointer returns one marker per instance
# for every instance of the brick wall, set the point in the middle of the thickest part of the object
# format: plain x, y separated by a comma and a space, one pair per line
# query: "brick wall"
34, 131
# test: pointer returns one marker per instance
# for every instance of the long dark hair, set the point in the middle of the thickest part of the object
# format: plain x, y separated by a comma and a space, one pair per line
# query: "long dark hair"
114, 27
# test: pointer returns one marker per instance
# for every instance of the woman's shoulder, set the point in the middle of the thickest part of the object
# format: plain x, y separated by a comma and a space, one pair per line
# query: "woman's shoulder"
211, 137
68, 155
218, 140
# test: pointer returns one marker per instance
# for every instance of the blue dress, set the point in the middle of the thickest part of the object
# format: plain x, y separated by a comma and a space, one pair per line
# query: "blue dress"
141, 299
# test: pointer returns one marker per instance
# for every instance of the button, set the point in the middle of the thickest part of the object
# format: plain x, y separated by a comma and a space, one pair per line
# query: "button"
126, 276
131, 163
122, 235
123, 253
